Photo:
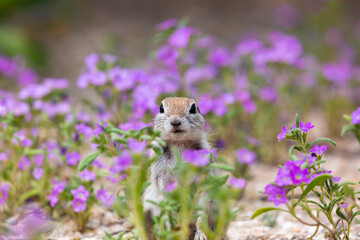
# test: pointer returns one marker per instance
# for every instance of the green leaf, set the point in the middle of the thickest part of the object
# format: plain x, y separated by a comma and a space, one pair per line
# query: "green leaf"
28, 194
31, 152
340, 214
291, 155
316, 181
222, 166
86, 161
316, 163
347, 128
322, 140
297, 121
260, 211
354, 215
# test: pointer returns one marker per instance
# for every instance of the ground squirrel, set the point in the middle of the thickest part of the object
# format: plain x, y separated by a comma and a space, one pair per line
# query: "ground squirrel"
182, 126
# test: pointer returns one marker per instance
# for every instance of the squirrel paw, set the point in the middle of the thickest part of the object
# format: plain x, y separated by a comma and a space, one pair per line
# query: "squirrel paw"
199, 235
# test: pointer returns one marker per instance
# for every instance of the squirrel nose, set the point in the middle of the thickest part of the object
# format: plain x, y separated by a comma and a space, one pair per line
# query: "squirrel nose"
175, 122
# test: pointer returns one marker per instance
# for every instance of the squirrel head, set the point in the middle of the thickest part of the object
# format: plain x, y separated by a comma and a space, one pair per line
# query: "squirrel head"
179, 119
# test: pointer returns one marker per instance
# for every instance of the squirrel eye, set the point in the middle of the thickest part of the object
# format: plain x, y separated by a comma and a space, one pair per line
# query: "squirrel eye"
161, 108
193, 109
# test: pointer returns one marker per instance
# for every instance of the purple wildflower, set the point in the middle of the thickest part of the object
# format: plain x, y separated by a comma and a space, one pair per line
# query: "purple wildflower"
121, 163
38, 173
180, 37
170, 187
38, 159
275, 194
355, 116
133, 125
84, 129
24, 163
166, 24
344, 205
104, 197
3, 156
196, 158
4, 189
78, 205
248, 46
123, 79
336, 179
80, 193
72, 158
268, 94
86, 175
338, 72
318, 150
220, 57
53, 198
245, 156
136, 146
167, 55
237, 183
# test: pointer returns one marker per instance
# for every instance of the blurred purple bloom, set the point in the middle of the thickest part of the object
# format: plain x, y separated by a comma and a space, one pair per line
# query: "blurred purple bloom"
197, 74
121, 163
268, 94
99, 129
318, 150
206, 42
248, 46
123, 79
170, 187
78, 205
80, 193
91, 62
286, 15
167, 55
86, 175
133, 125
336, 179
237, 183
58, 187
283, 133
219, 57
38, 159
355, 116
38, 173
72, 158
3, 156
180, 37
196, 158
106, 198
24, 163
344, 205
53, 83
53, 198
136, 146
26, 77
166, 24
84, 129
243, 155
338, 72
4, 189
275, 194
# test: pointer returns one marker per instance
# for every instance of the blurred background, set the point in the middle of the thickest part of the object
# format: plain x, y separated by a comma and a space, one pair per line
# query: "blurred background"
53, 38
